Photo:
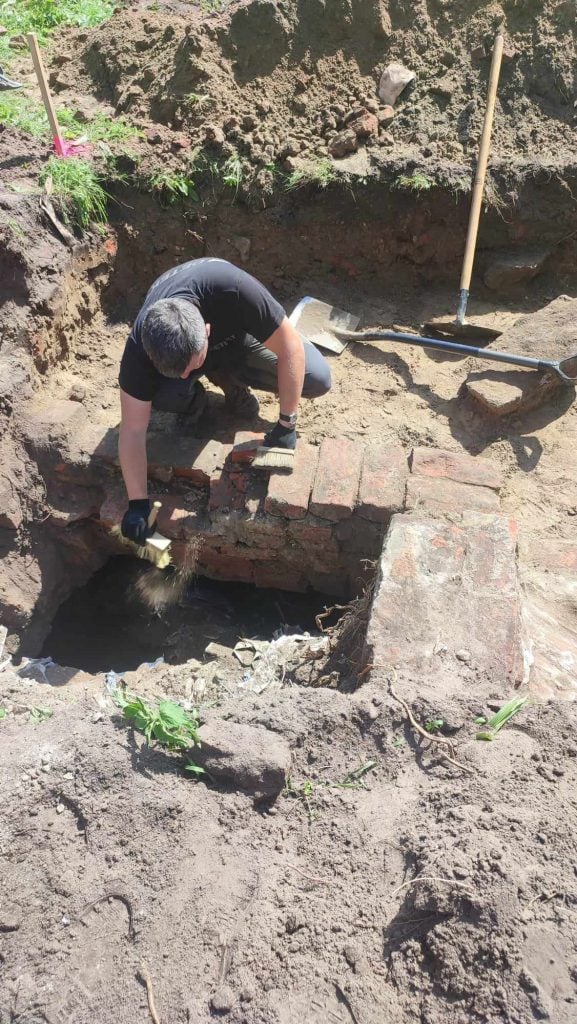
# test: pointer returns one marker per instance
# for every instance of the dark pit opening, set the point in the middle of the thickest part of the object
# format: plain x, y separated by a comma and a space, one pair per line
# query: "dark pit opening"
105, 626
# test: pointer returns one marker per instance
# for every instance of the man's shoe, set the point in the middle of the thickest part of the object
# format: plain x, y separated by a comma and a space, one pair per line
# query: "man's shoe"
239, 399
8, 83
188, 418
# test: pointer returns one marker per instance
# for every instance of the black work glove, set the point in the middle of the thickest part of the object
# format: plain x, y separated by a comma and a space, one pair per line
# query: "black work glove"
281, 437
135, 521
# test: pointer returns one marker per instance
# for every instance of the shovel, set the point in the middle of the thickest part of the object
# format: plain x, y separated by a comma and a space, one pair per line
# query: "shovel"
564, 369
458, 328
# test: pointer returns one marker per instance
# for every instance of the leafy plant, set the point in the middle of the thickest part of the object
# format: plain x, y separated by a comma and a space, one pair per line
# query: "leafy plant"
77, 187
100, 128
2, 713
504, 715
318, 172
37, 714
233, 172
174, 185
434, 725
166, 723
416, 182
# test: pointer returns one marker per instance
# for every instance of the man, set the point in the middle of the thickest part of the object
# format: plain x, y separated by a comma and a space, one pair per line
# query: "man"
208, 317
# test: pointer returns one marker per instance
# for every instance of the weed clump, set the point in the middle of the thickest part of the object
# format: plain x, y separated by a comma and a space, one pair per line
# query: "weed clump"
77, 188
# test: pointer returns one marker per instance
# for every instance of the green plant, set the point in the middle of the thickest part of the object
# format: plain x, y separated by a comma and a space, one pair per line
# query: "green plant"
314, 172
302, 791
174, 185
434, 725
43, 16
415, 182
233, 172
36, 714
77, 188
2, 713
504, 715
100, 128
196, 98
354, 778
166, 723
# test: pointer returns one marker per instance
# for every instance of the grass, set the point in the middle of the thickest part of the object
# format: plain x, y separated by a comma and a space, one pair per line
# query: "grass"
174, 186
43, 16
315, 172
233, 172
434, 725
165, 723
17, 111
504, 715
77, 189
416, 182
306, 791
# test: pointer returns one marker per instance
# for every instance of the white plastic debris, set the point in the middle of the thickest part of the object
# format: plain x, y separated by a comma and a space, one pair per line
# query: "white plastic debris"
273, 660
394, 79
31, 666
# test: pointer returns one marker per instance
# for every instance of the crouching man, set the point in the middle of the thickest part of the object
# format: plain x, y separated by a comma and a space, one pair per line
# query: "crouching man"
208, 318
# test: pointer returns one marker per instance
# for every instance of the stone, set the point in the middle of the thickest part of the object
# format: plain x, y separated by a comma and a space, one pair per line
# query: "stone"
443, 495
251, 759
509, 271
365, 125
336, 486
223, 1000
385, 115
443, 585
243, 246
288, 494
383, 483
549, 334
458, 466
343, 143
394, 79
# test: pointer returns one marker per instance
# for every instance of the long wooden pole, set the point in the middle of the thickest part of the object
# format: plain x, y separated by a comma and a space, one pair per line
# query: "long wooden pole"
479, 186
59, 144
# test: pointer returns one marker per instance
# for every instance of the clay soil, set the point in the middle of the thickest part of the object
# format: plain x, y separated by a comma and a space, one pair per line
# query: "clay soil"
423, 892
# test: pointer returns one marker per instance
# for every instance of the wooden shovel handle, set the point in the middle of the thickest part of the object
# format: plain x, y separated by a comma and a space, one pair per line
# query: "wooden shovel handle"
46, 97
478, 187
156, 507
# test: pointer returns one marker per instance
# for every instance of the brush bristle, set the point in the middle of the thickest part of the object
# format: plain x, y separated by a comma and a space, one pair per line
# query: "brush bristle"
273, 458
161, 559
158, 589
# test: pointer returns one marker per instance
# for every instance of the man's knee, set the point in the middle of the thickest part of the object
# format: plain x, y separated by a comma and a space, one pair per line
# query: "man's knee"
318, 382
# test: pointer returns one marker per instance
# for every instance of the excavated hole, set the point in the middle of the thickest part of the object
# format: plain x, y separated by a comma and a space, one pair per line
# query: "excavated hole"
104, 625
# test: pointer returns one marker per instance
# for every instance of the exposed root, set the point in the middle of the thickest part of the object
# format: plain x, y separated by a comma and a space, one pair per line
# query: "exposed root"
344, 667
144, 974
446, 750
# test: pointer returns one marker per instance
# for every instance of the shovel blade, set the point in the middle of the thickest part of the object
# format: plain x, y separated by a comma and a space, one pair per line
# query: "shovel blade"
318, 321
467, 332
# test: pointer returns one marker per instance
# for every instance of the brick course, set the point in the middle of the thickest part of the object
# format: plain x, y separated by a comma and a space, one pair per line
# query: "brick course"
457, 466
337, 481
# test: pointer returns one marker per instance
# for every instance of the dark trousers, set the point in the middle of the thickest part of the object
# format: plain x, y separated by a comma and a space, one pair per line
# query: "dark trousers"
245, 361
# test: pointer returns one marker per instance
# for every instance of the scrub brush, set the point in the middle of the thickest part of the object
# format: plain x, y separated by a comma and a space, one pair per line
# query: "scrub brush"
156, 549
274, 458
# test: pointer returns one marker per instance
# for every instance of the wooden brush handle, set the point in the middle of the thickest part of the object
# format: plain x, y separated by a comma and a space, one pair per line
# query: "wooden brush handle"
156, 507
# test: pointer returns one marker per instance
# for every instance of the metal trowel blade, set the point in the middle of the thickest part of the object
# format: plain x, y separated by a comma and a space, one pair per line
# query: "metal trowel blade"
316, 321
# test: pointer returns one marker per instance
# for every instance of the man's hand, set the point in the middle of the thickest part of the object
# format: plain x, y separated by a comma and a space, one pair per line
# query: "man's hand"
135, 521
281, 436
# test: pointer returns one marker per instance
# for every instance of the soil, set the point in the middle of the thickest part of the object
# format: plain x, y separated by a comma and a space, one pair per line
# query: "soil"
424, 892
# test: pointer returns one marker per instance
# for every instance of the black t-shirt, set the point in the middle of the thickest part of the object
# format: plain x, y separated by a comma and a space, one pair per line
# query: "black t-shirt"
229, 299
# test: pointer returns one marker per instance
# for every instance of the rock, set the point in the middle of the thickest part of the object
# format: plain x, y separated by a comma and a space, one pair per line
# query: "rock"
214, 134
154, 137
394, 79
242, 246
508, 271
386, 115
252, 759
223, 999
10, 917
365, 125
343, 143
181, 142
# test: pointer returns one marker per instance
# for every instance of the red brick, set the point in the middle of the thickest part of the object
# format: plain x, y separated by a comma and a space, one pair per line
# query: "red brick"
288, 493
336, 485
245, 445
280, 576
262, 532
383, 483
225, 567
457, 466
436, 595
309, 533
442, 495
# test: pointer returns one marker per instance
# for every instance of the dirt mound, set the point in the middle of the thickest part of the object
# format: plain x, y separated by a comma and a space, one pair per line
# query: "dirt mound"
439, 896
278, 87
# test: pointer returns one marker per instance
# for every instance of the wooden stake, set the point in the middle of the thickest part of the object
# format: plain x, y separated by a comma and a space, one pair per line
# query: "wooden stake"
58, 140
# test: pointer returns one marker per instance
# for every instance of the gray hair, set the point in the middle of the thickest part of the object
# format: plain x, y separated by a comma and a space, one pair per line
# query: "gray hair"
172, 332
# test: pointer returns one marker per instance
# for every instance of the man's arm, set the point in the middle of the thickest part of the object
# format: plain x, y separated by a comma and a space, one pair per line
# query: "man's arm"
132, 445
288, 348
